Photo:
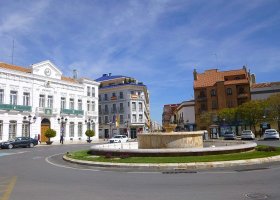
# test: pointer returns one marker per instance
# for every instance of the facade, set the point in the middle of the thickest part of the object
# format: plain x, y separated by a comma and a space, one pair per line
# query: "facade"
215, 90
186, 115
156, 127
261, 91
123, 106
33, 99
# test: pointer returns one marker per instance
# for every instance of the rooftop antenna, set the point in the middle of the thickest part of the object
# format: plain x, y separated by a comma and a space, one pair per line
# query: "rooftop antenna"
13, 48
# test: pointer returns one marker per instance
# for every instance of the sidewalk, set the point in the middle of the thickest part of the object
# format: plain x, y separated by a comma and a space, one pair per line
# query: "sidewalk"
74, 142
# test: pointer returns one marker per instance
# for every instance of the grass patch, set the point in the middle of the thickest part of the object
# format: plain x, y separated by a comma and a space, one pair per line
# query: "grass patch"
260, 152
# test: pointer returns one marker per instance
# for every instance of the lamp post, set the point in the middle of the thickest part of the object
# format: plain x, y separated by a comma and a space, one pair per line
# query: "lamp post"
63, 122
126, 125
88, 123
29, 118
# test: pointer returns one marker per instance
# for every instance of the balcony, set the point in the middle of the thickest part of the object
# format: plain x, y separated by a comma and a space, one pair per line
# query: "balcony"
72, 112
113, 98
113, 111
46, 111
121, 110
15, 107
105, 112
134, 96
91, 113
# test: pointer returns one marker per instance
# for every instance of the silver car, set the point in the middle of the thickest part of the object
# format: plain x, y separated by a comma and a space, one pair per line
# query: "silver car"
271, 134
247, 135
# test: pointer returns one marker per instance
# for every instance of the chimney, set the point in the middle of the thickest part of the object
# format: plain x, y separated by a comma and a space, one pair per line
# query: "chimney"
75, 74
194, 74
104, 75
110, 74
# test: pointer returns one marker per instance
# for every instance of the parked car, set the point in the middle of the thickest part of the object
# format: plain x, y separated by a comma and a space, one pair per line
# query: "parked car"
270, 134
229, 135
19, 142
119, 139
247, 135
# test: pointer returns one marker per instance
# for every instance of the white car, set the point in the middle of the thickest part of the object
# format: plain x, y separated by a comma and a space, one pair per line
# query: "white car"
271, 134
118, 139
247, 135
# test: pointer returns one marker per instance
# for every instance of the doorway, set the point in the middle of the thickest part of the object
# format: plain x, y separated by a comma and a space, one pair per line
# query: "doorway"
45, 124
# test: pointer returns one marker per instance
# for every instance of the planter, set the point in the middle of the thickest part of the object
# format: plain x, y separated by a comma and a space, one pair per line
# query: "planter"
49, 142
89, 141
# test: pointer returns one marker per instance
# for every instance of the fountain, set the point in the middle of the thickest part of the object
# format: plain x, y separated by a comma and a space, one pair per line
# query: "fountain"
172, 144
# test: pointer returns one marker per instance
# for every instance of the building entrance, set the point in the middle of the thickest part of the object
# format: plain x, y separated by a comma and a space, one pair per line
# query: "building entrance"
45, 124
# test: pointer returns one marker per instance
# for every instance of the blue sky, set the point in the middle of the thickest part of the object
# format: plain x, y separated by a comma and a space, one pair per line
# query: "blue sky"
159, 42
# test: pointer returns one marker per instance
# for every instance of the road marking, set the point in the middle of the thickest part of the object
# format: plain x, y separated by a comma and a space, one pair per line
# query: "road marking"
63, 166
9, 189
5, 154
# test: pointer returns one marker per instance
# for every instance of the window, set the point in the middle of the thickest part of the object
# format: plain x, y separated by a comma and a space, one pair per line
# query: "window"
230, 104
80, 104
1, 96
133, 106
1, 129
106, 109
63, 102
229, 91
99, 97
100, 120
71, 104
80, 129
140, 118
214, 104
71, 129
26, 99
241, 90
42, 101
114, 110
203, 107
121, 119
88, 91
106, 120
50, 102
25, 129
132, 92
140, 107
13, 97
121, 108
105, 97
121, 95
88, 105
93, 92
202, 93
213, 92
134, 118
113, 94
93, 106
12, 129
93, 126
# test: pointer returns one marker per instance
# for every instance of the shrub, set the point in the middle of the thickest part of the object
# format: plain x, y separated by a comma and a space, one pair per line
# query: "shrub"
90, 133
108, 155
50, 133
124, 156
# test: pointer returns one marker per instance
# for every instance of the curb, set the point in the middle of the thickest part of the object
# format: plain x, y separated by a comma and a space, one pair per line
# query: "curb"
187, 166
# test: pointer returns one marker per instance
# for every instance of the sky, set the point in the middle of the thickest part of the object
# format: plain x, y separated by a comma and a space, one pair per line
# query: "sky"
158, 42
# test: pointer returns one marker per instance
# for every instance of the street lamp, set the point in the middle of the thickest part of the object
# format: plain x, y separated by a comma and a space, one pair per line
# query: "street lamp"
63, 122
126, 125
89, 122
29, 118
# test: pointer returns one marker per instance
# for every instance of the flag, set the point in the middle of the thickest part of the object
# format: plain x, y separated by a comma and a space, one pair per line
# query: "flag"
117, 121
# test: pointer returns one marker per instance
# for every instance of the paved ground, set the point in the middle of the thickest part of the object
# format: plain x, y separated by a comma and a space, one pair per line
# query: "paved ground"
39, 173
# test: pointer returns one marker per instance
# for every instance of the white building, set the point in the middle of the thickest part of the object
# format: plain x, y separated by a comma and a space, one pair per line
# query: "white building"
156, 127
185, 113
42, 92
261, 91
123, 106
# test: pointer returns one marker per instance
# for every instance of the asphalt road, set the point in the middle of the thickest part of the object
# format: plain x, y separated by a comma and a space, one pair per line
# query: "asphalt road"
40, 174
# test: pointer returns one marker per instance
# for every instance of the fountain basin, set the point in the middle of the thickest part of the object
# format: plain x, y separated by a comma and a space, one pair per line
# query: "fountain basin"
170, 140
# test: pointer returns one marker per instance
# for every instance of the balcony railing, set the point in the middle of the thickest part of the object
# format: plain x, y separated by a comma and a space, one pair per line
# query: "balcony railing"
91, 113
15, 107
72, 112
47, 111
121, 110
114, 98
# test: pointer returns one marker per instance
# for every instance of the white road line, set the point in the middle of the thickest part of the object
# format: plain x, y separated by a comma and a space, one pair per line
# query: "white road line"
67, 167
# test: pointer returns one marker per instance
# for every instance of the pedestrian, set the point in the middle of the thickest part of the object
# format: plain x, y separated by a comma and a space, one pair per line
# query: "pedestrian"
61, 139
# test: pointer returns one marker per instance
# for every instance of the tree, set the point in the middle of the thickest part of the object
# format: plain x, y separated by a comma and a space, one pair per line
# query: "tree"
90, 133
227, 114
50, 133
273, 103
252, 112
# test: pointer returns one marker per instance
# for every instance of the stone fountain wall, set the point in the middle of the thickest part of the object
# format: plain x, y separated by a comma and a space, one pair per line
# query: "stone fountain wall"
170, 140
